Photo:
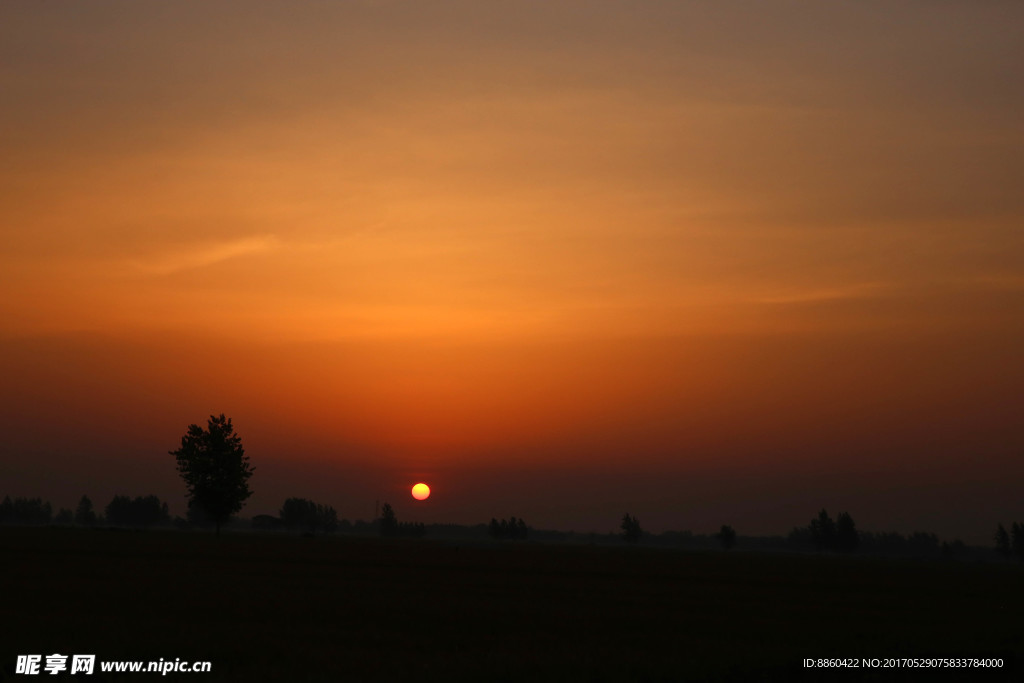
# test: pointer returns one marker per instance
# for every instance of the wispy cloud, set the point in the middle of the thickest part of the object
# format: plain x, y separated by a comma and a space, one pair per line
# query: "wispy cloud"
1002, 282
863, 290
203, 254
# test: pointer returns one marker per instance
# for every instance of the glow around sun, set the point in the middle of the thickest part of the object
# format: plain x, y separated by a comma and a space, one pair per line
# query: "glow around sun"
421, 491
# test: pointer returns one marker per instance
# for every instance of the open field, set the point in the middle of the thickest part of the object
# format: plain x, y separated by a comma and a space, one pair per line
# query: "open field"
287, 608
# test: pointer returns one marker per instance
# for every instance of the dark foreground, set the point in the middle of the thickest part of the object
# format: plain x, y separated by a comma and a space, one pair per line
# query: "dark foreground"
285, 608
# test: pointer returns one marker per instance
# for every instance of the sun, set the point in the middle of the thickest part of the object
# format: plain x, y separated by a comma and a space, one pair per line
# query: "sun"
421, 491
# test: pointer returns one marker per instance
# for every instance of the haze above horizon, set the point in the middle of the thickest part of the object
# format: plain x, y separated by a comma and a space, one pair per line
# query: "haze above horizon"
707, 263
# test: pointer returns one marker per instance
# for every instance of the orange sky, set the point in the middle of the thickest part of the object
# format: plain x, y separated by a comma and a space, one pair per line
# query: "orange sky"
707, 262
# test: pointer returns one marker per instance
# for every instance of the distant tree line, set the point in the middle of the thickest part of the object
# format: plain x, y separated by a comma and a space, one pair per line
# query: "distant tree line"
25, 511
508, 529
822, 533
120, 511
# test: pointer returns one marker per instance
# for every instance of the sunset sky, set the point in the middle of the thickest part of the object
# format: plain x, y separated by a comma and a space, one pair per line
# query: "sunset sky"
703, 262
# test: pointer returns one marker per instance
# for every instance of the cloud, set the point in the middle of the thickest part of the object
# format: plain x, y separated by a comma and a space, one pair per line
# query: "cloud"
865, 290
1000, 282
205, 254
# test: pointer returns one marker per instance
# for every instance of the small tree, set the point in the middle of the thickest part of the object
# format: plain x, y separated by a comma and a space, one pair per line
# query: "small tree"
388, 525
726, 536
847, 539
388, 521
84, 514
823, 531
215, 469
631, 531
1002, 540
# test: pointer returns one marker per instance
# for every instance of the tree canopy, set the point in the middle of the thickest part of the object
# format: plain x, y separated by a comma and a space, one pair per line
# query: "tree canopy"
215, 469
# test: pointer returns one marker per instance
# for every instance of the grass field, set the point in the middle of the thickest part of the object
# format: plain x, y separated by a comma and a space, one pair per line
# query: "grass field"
288, 608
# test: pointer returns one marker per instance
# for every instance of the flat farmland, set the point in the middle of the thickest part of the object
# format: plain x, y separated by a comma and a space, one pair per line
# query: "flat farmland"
289, 608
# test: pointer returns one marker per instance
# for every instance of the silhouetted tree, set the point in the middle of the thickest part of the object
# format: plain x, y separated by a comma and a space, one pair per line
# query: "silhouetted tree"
726, 536
84, 514
631, 531
847, 538
1017, 535
298, 513
389, 525
823, 531
215, 469
388, 521
1002, 540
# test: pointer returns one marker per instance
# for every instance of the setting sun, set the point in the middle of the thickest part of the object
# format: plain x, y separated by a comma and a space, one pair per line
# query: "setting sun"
421, 491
